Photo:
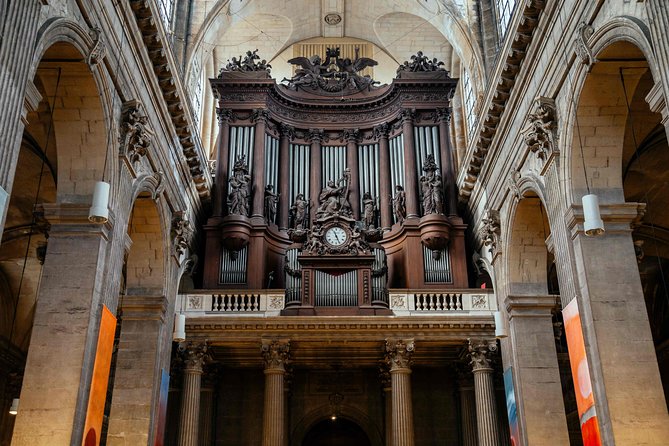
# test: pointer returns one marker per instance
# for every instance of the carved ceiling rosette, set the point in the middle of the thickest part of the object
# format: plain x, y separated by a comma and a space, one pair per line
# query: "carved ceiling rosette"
136, 135
540, 134
490, 231
399, 353
182, 233
275, 354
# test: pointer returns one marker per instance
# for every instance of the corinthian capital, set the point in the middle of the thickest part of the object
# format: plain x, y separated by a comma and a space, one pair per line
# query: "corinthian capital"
399, 352
275, 354
480, 354
194, 356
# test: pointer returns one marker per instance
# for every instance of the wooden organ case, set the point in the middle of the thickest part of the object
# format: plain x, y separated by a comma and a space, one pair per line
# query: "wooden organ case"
333, 188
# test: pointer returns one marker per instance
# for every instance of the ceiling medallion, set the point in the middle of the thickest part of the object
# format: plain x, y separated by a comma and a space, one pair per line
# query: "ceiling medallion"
332, 19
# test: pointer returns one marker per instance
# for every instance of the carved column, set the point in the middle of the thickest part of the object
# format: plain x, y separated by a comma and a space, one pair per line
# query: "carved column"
410, 169
287, 133
275, 355
446, 154
315, 180
484, 388
258, 206
385, 187
351, 136
20, 22
223, 161
398, 357
194, 355
467, 408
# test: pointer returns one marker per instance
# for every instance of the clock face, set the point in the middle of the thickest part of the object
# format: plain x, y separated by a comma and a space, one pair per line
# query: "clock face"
336, 236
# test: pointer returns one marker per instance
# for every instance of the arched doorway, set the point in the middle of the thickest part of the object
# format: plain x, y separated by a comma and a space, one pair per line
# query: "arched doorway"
338, 432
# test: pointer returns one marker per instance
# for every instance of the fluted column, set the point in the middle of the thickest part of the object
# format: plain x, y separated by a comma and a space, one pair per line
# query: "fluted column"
658, 12
287, 133
19, 24
398, 357
385, 187
258, 207
194, 355
315, 177
467, 408
484, 389
410, 169
275, 354
446, 154
386, 386
207, 407
222, 161
351, 136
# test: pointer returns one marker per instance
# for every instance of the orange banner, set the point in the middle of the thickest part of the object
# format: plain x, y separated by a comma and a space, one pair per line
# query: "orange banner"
98, 393
580, 372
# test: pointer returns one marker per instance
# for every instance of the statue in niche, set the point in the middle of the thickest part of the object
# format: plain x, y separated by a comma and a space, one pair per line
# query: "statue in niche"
271, 202
299, 213
368, 210
431, 188
240, 185
399, 204
334, 198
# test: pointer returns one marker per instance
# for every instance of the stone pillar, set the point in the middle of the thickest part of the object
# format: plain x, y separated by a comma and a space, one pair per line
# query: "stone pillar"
137, 374
621, 354
19, 24
258, 206
315, 177
658, 13
64, 334
538, 387
275, 354
207, 407
410, 169
284, 176
386, 386
446, 155
398, 358
351, 136
194, 356
385, 187
467, 408
484, 389
222, 162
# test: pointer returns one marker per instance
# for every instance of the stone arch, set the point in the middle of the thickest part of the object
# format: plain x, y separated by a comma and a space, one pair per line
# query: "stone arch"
619, 31
347, 412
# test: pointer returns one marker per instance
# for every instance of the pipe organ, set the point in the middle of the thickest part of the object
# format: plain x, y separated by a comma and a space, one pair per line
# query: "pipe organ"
334, 188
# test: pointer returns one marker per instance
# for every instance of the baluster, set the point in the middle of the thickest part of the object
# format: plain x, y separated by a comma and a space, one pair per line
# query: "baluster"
219, 302
448, 301
213, 302
443, 302
459, 301
256, 302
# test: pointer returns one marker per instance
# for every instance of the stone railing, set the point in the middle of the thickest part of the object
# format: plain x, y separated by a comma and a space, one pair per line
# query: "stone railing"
269, 303
442, 302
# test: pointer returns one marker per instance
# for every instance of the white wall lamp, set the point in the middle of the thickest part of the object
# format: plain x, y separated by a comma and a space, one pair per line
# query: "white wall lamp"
99, 211
179, 334
14, 408
501, 330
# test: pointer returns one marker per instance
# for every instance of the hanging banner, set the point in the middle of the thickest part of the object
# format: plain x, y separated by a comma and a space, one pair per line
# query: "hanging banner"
98, 393
511, 408
581, 375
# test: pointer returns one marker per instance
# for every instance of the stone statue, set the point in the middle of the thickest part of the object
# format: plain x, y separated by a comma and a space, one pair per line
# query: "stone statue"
334, 198
250, 62
399, 204
299, 213
271, 202
368, 210
240, 188
432, 190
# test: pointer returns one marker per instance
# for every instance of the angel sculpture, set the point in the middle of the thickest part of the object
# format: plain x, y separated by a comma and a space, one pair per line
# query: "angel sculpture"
312, 69
348, 70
